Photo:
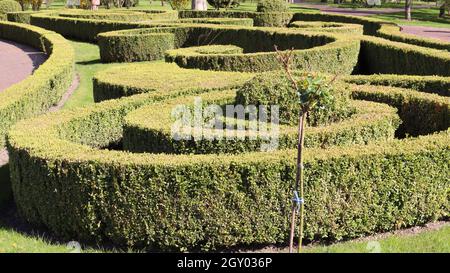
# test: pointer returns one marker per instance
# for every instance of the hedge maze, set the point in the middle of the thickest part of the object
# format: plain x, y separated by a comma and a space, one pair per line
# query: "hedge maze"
376, 160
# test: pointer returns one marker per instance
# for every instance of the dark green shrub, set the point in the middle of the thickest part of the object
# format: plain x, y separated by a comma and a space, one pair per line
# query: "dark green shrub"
127, 48
8, 6
274, 88
370, 122
429, 84
272, 6
218, 4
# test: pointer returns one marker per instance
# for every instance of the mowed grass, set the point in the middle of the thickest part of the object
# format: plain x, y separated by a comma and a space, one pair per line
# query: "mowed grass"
87, 63
436, 241
420, 17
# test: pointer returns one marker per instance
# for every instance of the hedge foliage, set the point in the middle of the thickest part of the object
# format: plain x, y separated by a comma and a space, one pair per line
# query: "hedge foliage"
129, 48
208, 201
46, 85
23, 16
69, 174
328, 27
8, 6
109, 84
429, 84
274, 88
386, 57
122, 15
370, 122
260, 19
317, 51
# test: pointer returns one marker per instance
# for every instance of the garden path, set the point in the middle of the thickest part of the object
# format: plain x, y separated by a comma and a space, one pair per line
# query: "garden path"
17, 62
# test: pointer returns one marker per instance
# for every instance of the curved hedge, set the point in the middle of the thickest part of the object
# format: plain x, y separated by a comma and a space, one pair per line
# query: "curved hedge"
121, 15
370, 122
185, 201
73, 171
45, 87
317, 51
328, 27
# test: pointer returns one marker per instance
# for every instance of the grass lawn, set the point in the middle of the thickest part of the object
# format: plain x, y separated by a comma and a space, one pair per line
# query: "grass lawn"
420, 17
87, 63
436, 241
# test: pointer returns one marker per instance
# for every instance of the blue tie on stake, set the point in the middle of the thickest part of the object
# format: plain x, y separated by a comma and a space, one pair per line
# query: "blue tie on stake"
297, 200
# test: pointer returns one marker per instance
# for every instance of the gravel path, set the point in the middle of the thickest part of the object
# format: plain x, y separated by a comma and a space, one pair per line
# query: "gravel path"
429, 32
17, 62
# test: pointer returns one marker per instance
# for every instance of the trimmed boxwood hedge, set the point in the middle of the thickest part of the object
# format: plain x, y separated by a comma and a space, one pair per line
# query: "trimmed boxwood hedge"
165, 77
123, 48
386, 57
209, 201
122, 15
23, 16
328, 27
429, 84
393, 33
260, 19
371, 122
46, 85
317, 51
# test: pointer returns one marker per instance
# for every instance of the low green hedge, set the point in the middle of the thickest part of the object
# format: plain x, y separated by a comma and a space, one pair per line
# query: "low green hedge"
274, 88
317, 51
420, 112
429, 84
121, 15
45, 87
208, 201
165, 77
386, 57
129, 48
371, 122
393, 33
260, 19
328, 27
23, 16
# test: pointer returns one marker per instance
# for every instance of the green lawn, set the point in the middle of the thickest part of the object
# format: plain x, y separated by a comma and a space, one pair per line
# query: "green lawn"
420, 17
437, 241
87, 63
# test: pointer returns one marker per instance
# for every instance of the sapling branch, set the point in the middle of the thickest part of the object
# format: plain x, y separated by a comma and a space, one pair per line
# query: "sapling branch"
311, 92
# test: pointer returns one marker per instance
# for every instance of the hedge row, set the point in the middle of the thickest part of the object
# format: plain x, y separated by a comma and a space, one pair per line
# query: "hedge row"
23, 16
260, 19
429, 84
129, 48
386, 57
88, 29
122, 15
328, 27
374, 27
393, 33
209, 201
44, 88
317, 51
371, 122
110, 83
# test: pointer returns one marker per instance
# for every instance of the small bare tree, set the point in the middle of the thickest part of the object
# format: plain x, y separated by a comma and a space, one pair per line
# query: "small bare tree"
312, 91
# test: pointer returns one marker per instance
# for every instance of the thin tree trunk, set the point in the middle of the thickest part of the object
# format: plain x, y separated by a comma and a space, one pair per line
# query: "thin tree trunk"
298, 182
408, 5
300, 173
199, 5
